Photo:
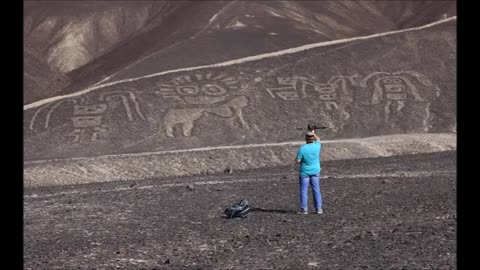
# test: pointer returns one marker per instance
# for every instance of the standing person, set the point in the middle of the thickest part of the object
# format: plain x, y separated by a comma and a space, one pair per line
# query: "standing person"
308, 156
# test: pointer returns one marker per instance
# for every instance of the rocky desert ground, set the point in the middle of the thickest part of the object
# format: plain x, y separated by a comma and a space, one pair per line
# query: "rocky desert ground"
379, 213
144, 120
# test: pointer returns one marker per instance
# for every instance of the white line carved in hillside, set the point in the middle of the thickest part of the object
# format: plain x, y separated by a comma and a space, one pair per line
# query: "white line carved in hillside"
87, 118
395, 90
237, 61
87, 113
175, 105
328, 101
300, 87
197, 89
126, 97
52, 107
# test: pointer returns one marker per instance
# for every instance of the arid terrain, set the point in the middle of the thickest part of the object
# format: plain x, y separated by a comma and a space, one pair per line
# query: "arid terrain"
211, 160
144, 120
398, 83
71, 45
372, 69
379, 213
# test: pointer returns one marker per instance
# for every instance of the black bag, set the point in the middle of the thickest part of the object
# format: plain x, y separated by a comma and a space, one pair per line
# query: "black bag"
240, 209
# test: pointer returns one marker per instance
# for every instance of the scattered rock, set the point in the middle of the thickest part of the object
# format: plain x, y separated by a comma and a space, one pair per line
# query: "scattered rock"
120, 250
182, 238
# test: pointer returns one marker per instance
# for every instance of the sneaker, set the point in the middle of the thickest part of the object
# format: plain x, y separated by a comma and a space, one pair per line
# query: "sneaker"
319, 211
302, 212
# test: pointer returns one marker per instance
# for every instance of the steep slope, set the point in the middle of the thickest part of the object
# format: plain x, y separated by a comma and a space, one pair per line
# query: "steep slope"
108, 40
246, 28
390, 84
61, 36
40, 80
70, 34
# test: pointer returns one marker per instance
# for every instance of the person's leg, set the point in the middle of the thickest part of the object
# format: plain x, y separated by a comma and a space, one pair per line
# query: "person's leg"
303, 188
317, 195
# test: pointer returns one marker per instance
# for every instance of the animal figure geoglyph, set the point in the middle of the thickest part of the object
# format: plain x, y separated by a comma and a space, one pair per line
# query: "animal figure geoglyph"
187, 116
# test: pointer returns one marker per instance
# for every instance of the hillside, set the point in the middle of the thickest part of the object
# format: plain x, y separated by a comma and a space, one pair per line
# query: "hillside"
390, 84
93, 41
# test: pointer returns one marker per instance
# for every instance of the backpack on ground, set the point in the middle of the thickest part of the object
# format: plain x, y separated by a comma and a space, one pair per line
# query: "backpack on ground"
240, 209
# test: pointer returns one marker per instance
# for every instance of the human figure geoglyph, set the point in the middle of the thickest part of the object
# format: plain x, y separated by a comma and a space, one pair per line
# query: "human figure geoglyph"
88, 113
395, 89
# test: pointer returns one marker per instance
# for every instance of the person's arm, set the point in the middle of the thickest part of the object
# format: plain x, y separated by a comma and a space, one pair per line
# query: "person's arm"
298, 157
315, 135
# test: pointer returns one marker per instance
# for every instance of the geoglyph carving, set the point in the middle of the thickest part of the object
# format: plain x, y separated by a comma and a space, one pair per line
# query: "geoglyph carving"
190, 97
329, 98
87, 118
300, 87
185, 118
396, 89
89, 109
52, 107
126, 98
187, 98
197, 89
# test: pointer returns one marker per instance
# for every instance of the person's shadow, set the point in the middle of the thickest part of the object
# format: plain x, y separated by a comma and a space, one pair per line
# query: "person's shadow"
258, 209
